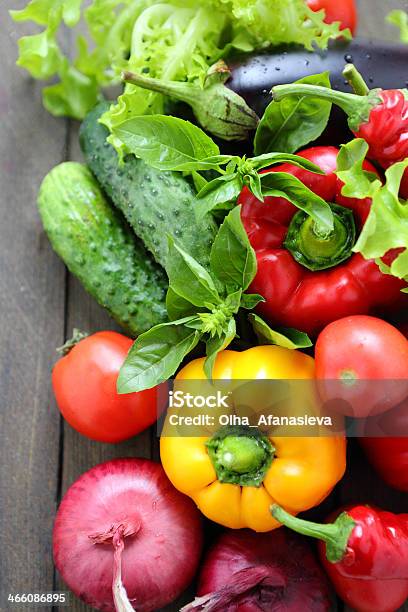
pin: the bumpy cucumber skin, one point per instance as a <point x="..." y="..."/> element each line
<point x="156" y="204"/>
<point x="100" y="249"/>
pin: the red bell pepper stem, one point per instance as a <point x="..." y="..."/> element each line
<point x="355" y="79"/>
<point x="317" y="249"/>
<point x="356" y="107"/>
<point x="336" y="535"/>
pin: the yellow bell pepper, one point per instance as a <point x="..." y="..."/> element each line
<point x="296" y="473"/>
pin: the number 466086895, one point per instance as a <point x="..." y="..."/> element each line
<point x="51" y="597"/>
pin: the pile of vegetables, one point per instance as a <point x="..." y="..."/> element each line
<point x="230" y="245"/>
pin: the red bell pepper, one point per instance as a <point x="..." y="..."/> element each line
<point x="365" y="553"/>
<point x="307" y="280"/>
<point x="378" y="116"/>
<point x="344" y="11"/>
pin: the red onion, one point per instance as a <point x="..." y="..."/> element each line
<point x="269" y="572"/>
<point x="124" y="518"/>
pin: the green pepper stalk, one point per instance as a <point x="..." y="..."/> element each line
<point x="357" y="106"/>
<point x="240" y="455"/>
<point x="316" y="248"/>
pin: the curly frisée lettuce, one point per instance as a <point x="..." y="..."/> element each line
<point x="386" y="227"/>
<point x="173" y="39"/>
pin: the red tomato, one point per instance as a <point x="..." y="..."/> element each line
<point x="369" y="359"/>
<point x="84" y="383"/>
<point x="344" y="11"/>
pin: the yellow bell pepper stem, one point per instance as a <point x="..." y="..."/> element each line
<point x="240" y="455"/>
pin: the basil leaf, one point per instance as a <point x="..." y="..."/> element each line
<point x="269" y="159"/>
<point x="233" y="301"/>
<point x="177" y="306"/>
<point x="222" y="160"/>
<point x="249" y="301"/>
<point x="286" y="337"/>
<point x="156" y="355"/>
<point x="218" y="192"/>
<point x="255" y="187"/>
<point x="216" y="345"/>
<point x="167" y="143"/>
<point x="195" y="323"/>
<point x="282" y="184"/>
<point x="358" y="183"/>
<point x="199" y="181"/>
<point x="295" y="121"/>
<point x="221" y="182"/>
<point x="232" y="258"/>
<point x="189" y="279"/>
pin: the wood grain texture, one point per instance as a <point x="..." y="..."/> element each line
<point x="39" y="456"/>
<point x="32" y="282"/>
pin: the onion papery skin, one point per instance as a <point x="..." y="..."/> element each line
<point x="290" y="578"/>
<point x="162" y="528"/>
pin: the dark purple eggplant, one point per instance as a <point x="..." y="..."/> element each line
<point x="382" y="65"/>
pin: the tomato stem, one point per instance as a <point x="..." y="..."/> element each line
<point x="77" y="336"/>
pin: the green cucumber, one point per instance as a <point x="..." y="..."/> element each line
<point x="100" y="249"/>
<point x="156" y="204"/>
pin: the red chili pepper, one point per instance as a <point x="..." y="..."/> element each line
<point x="344" y="11"/>
<point x="365" y="553"/>
<point x="310" y="299"/>
<point x="378" y="116"/>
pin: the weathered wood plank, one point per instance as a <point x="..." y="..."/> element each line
<point x="32" y="282"/>
<point x="372" y="18"/>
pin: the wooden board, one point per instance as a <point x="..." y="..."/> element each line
<point x="32" y="303"/>
<point x="40" y="304"/>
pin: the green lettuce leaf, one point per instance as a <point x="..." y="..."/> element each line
<point x="386" y="227"/>
<point x="282" y="21"/>
<point x="169" y="39"/>
<point x="400" y="19"/>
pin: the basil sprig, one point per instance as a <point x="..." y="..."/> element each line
<point x="170" y="143"/>
<point x="202" y="306"/>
